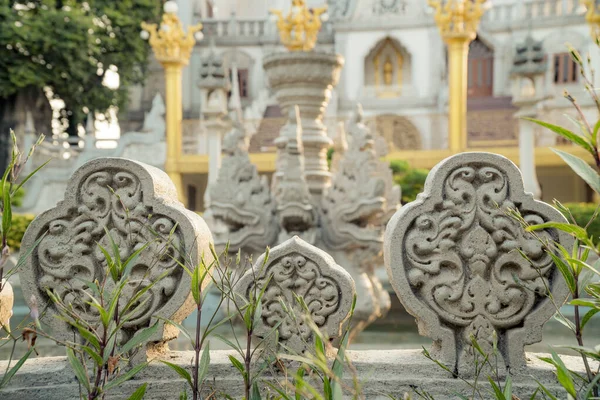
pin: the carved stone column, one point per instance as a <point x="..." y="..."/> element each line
<point x="306" y="79"/>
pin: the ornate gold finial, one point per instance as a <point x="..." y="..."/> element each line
<point x="299" y="29"/>
<point x="592" y="16"/>
<point x="171" y="44"/>
<point x="458" y="19"/>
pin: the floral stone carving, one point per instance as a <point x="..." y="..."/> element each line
<point x="296" y="268"/>
<point x="133" y="202"/>
<point x="453" y="259"/>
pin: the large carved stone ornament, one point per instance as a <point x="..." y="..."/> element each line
<point x="132" y="202"/>
<point x="296" y="268"/>
<point x="453" y="259"/>
<point x="242" y="209"/>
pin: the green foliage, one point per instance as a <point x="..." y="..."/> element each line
<point x="19" y="226"/>
<point x="579" y="271"/>
<point x="411" y="180"/>
<point x="12" y="229"/>
<point x="68" y="46"/>
<point x="582" y="214"/>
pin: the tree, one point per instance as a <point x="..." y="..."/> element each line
<point x="66" y="47"/>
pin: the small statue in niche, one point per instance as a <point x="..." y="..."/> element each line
<point x="388" y="71"/>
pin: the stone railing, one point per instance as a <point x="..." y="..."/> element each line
<point x="537" y="12"/>
<point x="255" y="31"/>
<point x="452" y="257"/>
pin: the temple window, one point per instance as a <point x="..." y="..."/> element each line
<point x="565" y="69"/>
<point x="481" y="70"/>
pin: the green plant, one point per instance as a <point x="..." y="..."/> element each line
<point x="10" y="229"/>
<point x="580" y="272"/>
<point x="582" y="214"/>
<point x="411" y="180"/>
<point x="18" y="228"/>
<point x="483" y="363"/>
<point x="97" y="360"/>
<point x="315" y="378"/>
<point x="200" y="274"/>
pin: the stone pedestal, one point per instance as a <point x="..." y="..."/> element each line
<point x="306" y="79"/>
<point x="215" y="130"/>
<point x="527" y="152"/>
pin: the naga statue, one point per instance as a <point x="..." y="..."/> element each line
<point x="347" y="221"/>
<point x="242" y="211"/>
<point x="354" y="211"/>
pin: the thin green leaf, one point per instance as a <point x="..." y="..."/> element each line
<point x="180" y="371"/>
<point x="508" y="388"/>
<point x="571" y="229"/>
<point x="89" y="336"/>
<point x="565" y="271"/>
<point x="588" y="315"/>
<point x="563" y="375"/>
<point x="497" y="392"/>
<point x="78" y="369"/>
<point x="95" y="356"/>
<point x="28" y="177"/>
<point x="131" y="260"/>
<point x="255" y="393"/>
<point x="581" y="168"/>
<point x="180" y="327"/>
<point x="236" y="363"/>
<point x="6" y="212"/>
<point x="196" y="284"/>
<point x="204" y="363"/>
<point x="139" y="338"/>
<point x="139" y="393"/>
<point x="567" y="134"/>
<point x="125" y="377"/>
<point x="15" y="368"/>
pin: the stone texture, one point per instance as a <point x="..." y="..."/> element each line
<point x="452" y="256"/>
<point x="381" y="373"/>
<point x="242" y="210"/>
<point x="129" y="200"/>
<point x="306" y="79"/>
<point x="296" y="268"/>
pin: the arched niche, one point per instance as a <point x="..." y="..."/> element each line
<point x="398" y="132"/>
<point x="387" y="69"/>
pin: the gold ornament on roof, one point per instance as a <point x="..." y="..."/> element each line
<point x="299" y="29"/>
<point x="458" y="19"/>
<point x="592" y="16"/>
<point x="171" y="44"/>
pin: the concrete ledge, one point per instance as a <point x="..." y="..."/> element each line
<point x="380" y="372"/>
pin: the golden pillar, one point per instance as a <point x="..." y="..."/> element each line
<point x="592" y="16"/>
<point x="172" y="47"/>
<point x="458" y="21"/>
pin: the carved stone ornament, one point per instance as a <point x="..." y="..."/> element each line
<point x="298" y="268"/>
<point x="452" y="257"/>
<point x="133" y="202"/>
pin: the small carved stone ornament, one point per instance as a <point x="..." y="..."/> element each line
<point x="296" y="268"/>
<point x="453" y="259"/>
<point x="133" y="202"/>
